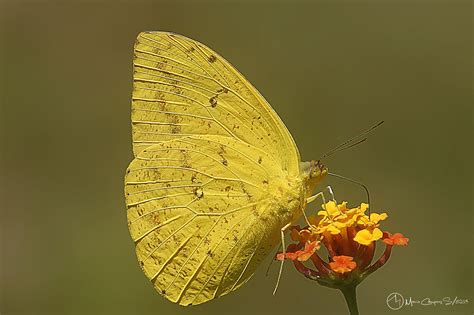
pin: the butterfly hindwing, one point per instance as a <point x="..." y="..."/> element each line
<point x="200" y="215"/>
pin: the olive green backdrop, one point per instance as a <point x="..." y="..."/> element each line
<point x="329" y="68"/>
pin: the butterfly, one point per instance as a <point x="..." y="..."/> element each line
<point x="216" y="177"/>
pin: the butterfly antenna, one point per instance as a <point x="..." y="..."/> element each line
<point x="350" y="142"/>
<point x="354" y="182"/>
<point x="326" y="156"/>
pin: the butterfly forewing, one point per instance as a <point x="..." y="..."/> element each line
<point x="182" y="87"/>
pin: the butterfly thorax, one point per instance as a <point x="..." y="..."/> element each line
<point x="286" y="197"/>
<point x="288" y="193"/>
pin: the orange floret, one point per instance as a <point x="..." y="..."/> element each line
<point x="301" y="255"/>
<point x="395" y="239"/>
<point x="342" y="264"/>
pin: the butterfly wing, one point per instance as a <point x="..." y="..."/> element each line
<point x="181" y="87"/>
<point x="200" y="214"/>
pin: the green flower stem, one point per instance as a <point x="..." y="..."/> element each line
<point x="351" y="298"/>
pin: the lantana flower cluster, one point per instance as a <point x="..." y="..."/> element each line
<point x="349" y="236"/>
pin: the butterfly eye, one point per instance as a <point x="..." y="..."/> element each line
<point x="314" y="168"/>
<point x="317" y="170"/>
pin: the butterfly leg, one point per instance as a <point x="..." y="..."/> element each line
<point x="271" y="261"/>
<point x="283" y="229"/>
<point x="314" y="197"/>
<point x="329" y="188"/>
<point x="321" y="194"/>
<point x="311" y="199"/>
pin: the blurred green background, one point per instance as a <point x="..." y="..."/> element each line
<point x="329" y="68"/>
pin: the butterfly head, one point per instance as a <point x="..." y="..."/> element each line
<point x="317" y="170"/>
<point x="313" y="172"/>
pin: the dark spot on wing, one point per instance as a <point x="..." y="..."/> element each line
<point x="259" y="160"/>
<point x="221" y="153"/>
<point x="254" y="210"/>
<point x="221" y="149"/>
<point x="175" y="129"/>
<point x="249" y="196"/>
<point x="156" y="219"/>
<point x="198" y="192"/>
<point x="212" y="58"/>
<point x="213" y="101"/>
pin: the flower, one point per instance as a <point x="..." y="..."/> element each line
<point x="301" y="255"/>
<point x="371" y="232"/>
<point x="303" y="235"/>
<point x="395" y="239"/>
<point x="336" y="217"/>
<point x="367" y="236"/>
<point x="349" y="236"/>
<point x="342" y="264"/>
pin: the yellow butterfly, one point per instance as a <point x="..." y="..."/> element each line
<point x="216" y="178"/>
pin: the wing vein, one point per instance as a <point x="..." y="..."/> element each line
<point x="157" y="227"/>
<point x="191" y="255"/>
<point x="156" y="210"/>
<point x="215" y="269"/>
<point x="167" y="238"/>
